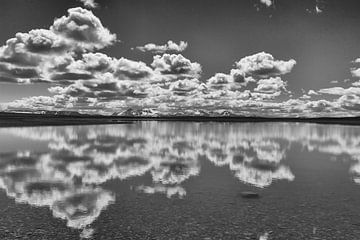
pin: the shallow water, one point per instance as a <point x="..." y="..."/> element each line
<point x="176" y="180"/>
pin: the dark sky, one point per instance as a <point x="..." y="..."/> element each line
<point x="219" y="32"/>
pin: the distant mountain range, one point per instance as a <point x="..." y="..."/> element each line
<point x="50" y="118"/>
<point x="131" y="112"/>
<point x="137" y="113"/>
<point x="49" y="113"/>
<point x="190" y="115"/>
<point x="154" y="113"/>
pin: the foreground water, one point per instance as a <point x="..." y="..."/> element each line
<point x="174" y="180"/>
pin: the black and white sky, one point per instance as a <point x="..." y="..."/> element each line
<point x="249" y="57"/>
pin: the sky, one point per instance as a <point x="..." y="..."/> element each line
<point x="247" y="57"/>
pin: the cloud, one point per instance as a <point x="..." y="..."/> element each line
<point x="18" y="50"/>
<point x="80" y="78"/>
<point x="261" y="68"/>
<point x="350" y="102"/>
<point x="36" y="56"/>
<point x="312" y="92"/>
<point x="220" y="80"/>
<point x="264" y="65"/>
<point x="101" y="83"/>
<point x="320" y="106"/>
<point x="271" y="85"/>
<point x="41" y="103"/>
<point x="319" y="6"/>
<point x="97" y="66"/>
<point x="18" y="73"/>
<point x="355" y="72"/>
<point x="186" y="86"/>
<point x="235" y="80"/>
<point x="268" y="3"/>
<point x="89" y="3"/>
<point x="234" y="89"/>
<point x="131" y="70"/>
<point x="82" y="28"/>
<point x="318" y="9"/>
<point x="341" y="91"/>
<point x="176" y="64"/>
<point x="170" y="46"/>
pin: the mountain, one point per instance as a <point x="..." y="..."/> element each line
<point x="137" y="113"/>
<point x="62" y="113"/>
<point x="200" y="113"/>
<point x="49" y="113"/>
<point x="227" y="114"/>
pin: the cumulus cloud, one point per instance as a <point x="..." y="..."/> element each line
<point x="355" y="72"/>
<point x="341" y="91"/>
<point x="20" y="74"/>
<point x="312" y="92"/>
<point x="350" y="102"/>
<point x="170" y="46"/>
<point x="186" y="86"/>
<point x="319" y="7"/>
<point x="271" y="85"/>
<point x="235" y="80"/>
<point x="97" y="66"/>
<point x="30" y="57"/>
<point x="268" y="3"/>
<point x="89" y="3"/>
<point x="40" y="102"/>
<point x="320" y="106"/>
<point x="264" y="65"/>
<point x="80" y="78"/>
<point x="81" y="27"/>
<point x="260" y="69"/>
<point x="170" y="64"/>
<point x="85" y="80"/>
<point x="220" y="78"/>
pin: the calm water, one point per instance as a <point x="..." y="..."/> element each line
<point x="159" y="180"/>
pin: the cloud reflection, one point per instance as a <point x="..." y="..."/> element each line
<point x="68" y="175"/>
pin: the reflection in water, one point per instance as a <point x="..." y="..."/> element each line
<point x="170" y="191"/>
<point x="265" y="236"/>
<point x="67" y="177"/>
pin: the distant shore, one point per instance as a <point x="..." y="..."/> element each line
<point x="28" y="119"/>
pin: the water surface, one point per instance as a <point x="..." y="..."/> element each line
<point x="176" y="180"/>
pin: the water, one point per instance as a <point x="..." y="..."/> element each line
<point x="174" y="180"/>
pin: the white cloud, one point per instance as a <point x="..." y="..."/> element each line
<point x="268" y="3"/>
<point x="170" y="46"/>
<point x="176" y="64"/>
<point x="318" y="10"/>
<point x="350" y="102"/>
<point x="82" y="28"/>
<point x="264" y="65"/>
<point x="82" y="79"/>
<point x="320" y="106"/>
<point x="355" y="72"/>
<point x="312" y="92"/>
<point x="271" y="85"/>
<point x="89" y="3"/>
<point x="341" y="91"/>
<point x="34" y="56"/>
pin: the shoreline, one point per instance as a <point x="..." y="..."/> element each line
<point x="27" y="120"/>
